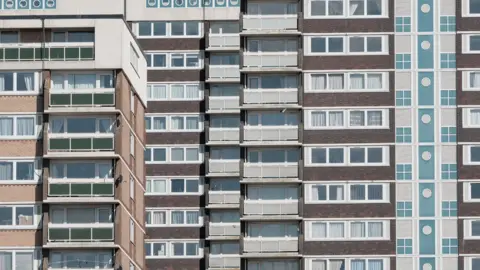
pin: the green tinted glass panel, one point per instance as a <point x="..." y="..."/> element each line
<point x="81" y="144"/>
<point x="86" y="53"/>
<point x="81" y="189"/>
<point x="103" y="189"/>
<point x="2" y="53"/>
<point x="11" y="54"/>
<point x="82" y="99"/>
<point x="103" y="143"/>
<point x="38" y="53"/>
<point x="58" y="234"/>
<point x="103" y="99"/>
<point x="46" y="53"/>
<point x="59" y="189"/>
<point x="57" y="54"/>
<point x="102" y="234"/>
<point x="26" y="54"/>
<point x="72" y="53"/>
<point x="80" y="234"/>
<point x="59" y="144"/>
<point x="59" y="99"/>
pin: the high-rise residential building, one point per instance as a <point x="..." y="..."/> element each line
<point x="72" y="136"/>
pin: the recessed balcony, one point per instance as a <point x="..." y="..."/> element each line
<point x="80" y="190"/>
<point x="80" y="233"/>
<point x="223" y="42"/>
<point x="270" y="134"/>
<point x="88" y="98"/>
<point x="223" y="230"/>
<point x="270" y="245"/>
<point x="265" y="97"/>
<point x="270" y="24"/>
<point x="82" y="51"/>
<point x="223" y="261"/>
<point x="270" y="207"/>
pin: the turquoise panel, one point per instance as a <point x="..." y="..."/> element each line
<point x="233" y="3"/>
<point x="152" y="3"/>
<point x="165" y="3"/>
<point x="9" y="4"/>
<point x="37" y="4"/>
<point x="427" y="237"/>
<point x="425" y="262"/>
<point x="220" y="3"/>
<point x="426" y="83"/>
<point x="426" y="131"/>
<point x="193" y="3"/>
<point x="425" y="15"/>
<point x="207" y="3"/>
<point x="426" y="167"/>
<point x="425" y="53"/>
<point x="23" y="4"/>
<point x="426" y="199"/>
<point x="179" y="3"/>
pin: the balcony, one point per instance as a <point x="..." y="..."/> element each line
<point x="224" y="261"/>
<point x="223" y="73"/>
<point x="274" y="61"/>
<point x="81" y="144"/>
<point x="222" y="104"/>
<point x="47" y="52"/>
<point x="80" y="190"/>
<point x="270" y="170"/>
<point x="265" y="24"/>
<point x="223" y="42"/>
<point x="83" y="98"/>
<point x="270" y="96"/>
<point x="270" y="208"/>
<point x="270" y="245"/>
<point x="224" y="230"/>
<point x="224" y="167"/>
<point x="223" y="135"/>
<point x="223" y="198"/>
<point x="80" y="233"/>
<point x="277" y="134"/>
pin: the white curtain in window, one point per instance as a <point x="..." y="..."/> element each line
<point x="375" y="229"/>
<point x="356" y="7"/>
<point x="57" y="125"/>
<point x="2" y="83"/>
<point x="6" y="171"/>
<point x="319" y="230"/>
<point x="82" y="81"/>
<point x="24" y="261"/>
<point x="335" y="119"/>
<point x="28" y="79"/>
<point x="105" y="125"/>
<point x="177" y="217"/>
<point x="335" y="192"/>
<point x="376" y="265"/>
<point x="6" y="262"/>
<point x="335" y="81"/>
<point x="358" y="265"/>
<point x="6" y="126"/>
<point x="357" y="229"/>
<point x="158" y="217"/>
<point x="336" y="230"/>
<point x="319" y="82"/>
<point x="159" y="123"/>
<point x="319" y="119"/>
<point x="319" y="265"/>
<point x="374" y="81"/>
<point x="177" y="123"/>
<point x="25" y="126"/>
<point x="357" y="81"/>
<point x="475" y="80"/>
<point x="357" y="118"/>
<point x="337" y="265"/>
<point x="159" y="186"/>
<point x="374" y="118"/>
<point x="157" y="91"/>
<point x="104" y="260"/>
<point x="475" y="117"/>
<point x="192" y="217"/>
<point x="58" y="82"/>
<point x="192" y="123"/>
<point x="178" y="91"/>
<point x="192" y="91"/>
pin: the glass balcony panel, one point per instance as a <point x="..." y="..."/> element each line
<point x="81" y="189"/>
<point x="57" y="53"/>
<point x="104" y="234"/>
<point x="59" y="144"/>
<point x="27" y="54"/>
<point x="60" y="99"/>
<point x="103" y="189"/>
<point x="81" y="144"/>
<point x="86" y="53"/>
<point x="104" y="99"/>
<point x="82" y="99"/>
<point x="59" y="189"/>
<point x="11" y="54"/>
<point x="72" y="53"/>
<point x="80" y="234"/>
<point x="103" y="144"/>
<point x="59" y="234"/>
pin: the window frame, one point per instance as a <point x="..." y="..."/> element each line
<point x="467" y="155"/>
<point x="37" y="174"/>
<point x="308" y="12"/>
<point x="168" y="151"/>
<point x="36" y="222"/>
<point x="35" y="251"/>
<point x="168" y="123"/>
<point x="37" y="89"/>
<point x="169" y="248"/>
<point x="261" y="163"/>
<point x="168" y="30"/>
<point x="346" y="119"/>
<point x="346" y="82"/>
<point x="168" y="217"/>
<point x="168" y="90"/>
<point x="37" y="120"/>
<point x="97" y="170"/>
<point x="466" y="42"/>
<point x="347" y="261"/>
<point x="466" y="78"/>
<point x="347" y="225"/>
<point x="346" y="156"/>
<point x="260" y="45"/>
<point x="168" y="186"/>
<point x="467" y="118"/>
<point x="467" y="229"/>
<point x="96" y="224"/>
<point x="309" y="189"/>
<point x="467" y="192"/>
<point x="168" y="60"/>
<point x="65" y="75"/>
<point x="346" y="45"/>
<point x="97" y="133"/>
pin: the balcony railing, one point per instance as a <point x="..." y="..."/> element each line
<point x="87" y="98"/>
<point x="223" y="261"/>
<point x="224" y="72"/>
<point x="223" y="40"/>
<point x="80" y="234"/>
<point x="270" y="96"/>
<point x="224" y="229"/>
<point x="223" y="134"/>
<point x="47" y="52"/>
<point x="80" y="189"/>
<point x="273" y="245"/>
<point x="270" y="59"/>
<point x="266" y="170"/>
<point x="223" y="197"/>
<point x="256" y="207"/>
<point x="270" y="22"/>
<point x="280" y="133"/>
<point x="80" y="144"/>
<point x="224" y="166"/>
<point x="224" y="103"/>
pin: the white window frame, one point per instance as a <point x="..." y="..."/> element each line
<point x="346" y="45"/>
<point x="346" y="156"/>
<point x="211" y="33"/>
<point x="260" y="41"/>
<point x="168" y="217"/>
<point x="169" y="125"/>
<point x="467" y="118"/>
<point x="308" y="12"/>
<point x="169" y="248"/>
<point x="132" y="188"/>
<point x="97" y="171"/>
<point x="37" y="217"/>
<point x="37" y="78"/>
<point x="466" y="78"/>
<point x="259" y="114"/>
<point x="467" y="228"/>
<point x="346" y="119"/>
<point x="65" y="76"/>
<point x="168" y="30"/>
<point x="96" y="224"/>
<point x="347" y="235"/>
<point x="467" y="155"/>
<point x="308" y="191"/>
<point x="168" y="60"/>
<point x="346" y="82"/>
<point x="37" y="120"/>
<point x="37" y="173"/>
<point x="134" y="57"/>
<point x="132" y="231"/>
<point x="385" y="261"/>
<point x="468" y="260"/>
<point x="96" y="134"/>
<point x="168" y="90"/>
<point x="260" y="152"/>
<point x="168" y="186"/>
<point x="466" y="44"/>
<point x="168" y="150"/>
<point x="467" y="189"/>
<point x="36" y="252"/>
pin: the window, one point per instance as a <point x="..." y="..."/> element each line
<point x="404" y="172"/>
<point x="474" y="262"/>
<point x="472" y="80"/>
<point x="9" y="37"/>
<point x="347" y="8"/>
<point x="81" y="169"/>
<point x="173" y="249"/>
<point x="225" y="90"/>
<point x="472" y="43"/>
<point x="132" y="100"/>
<point x="20" y="216"/>
<point x="219" y="28"/>
<point x="132" y="231"/>
<point x="217" y="217"/>
<point x="348" y="230"/>
<point x="449" y="171"/>
<point x="173" y="123"/>
<point x="266" y="119"/>
<point x="85" y="125"/>
<point x="403" y="24"/>
<point x="174" y="91"/>
<point x="20" y="126"/>
<point x="132" y="144"/>
<point x="174" y="154"/>
<point x="405" y="246"/>
<point x="271" y="45"/>
<point x="19" y="83"/>
<point x="266" y="8"/>
<point x="177" y="60"/>
<point x="173" y="218"/>
<point x="472" y="228"/>
<point x="226" y="248"/>
<point x="448" y="97"/>
<point x="347" y="119"/>
<point x="447" y="24"/>
<point x="174" y="186"/>
<point x="403" y="135"/>
<point x="403" y="98"/>
<point x="263" y="264"/>
<point x="132" y="266"/>
<point x="175" y="29"/>
<point x="404" y="209"/>
<point x="349" y="264"/>
<point x="271" y="230"/>
<point x="472" y="191"/>
<point x="449" y="246"/>
<point x="273" y="156"/>
<point x="449" y="209"/>
<point x="347" y="193"/>
<point x="20" y="259"/>
<point x="224" y="59"/>
<point x="73" y="36"/>
<point x="354" y="81"/>
<point x="134" y="58"/>
<point x="348" y="156"/>
<point x="225" y="185"/>
<point x="271" y="193"/>
<point x="20" y="171"/>
<point x="132" y="188"/>
<point x="272" y="82"/>
<point x="403" y="61"/>
<point x="449" y="134"/>
<point x="224" y="122"/>
<point x="448" y="60"/>
<point x="225" y="154"/>
<point x="348" y="45"/>
<point x="471" y="154"/>
<point x="81" y="80"/>
<point x="81" y="215"/>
